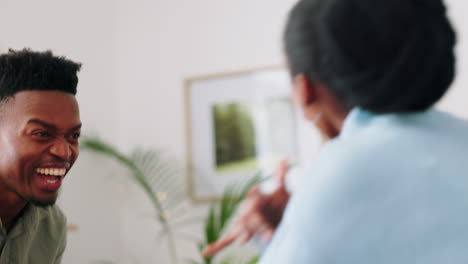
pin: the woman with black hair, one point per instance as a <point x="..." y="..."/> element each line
<point x="391" y="186"/>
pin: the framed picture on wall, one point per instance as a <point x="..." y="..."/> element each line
<point x="238" y="125"/>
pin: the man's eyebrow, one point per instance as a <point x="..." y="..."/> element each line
<point x="78" y="127"/>
<point x="50" y="126"/>
<point x="42" y="123"/>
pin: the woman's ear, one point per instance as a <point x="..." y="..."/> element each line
<point x="303" y="91"/>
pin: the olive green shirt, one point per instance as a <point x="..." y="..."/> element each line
<point x="38" y="237"/>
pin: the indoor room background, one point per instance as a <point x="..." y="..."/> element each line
<point x="136" y="56"/>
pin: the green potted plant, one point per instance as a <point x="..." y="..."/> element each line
<point x="219" y="215"/>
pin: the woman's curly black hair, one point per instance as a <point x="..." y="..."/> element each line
<point x="385" y="56"/>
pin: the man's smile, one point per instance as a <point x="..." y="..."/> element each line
<point x="51" y="177"/>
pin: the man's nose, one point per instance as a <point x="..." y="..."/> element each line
<point x="61" y="149"/>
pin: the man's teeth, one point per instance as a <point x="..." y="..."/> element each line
<point x="52" y="181"/>
<point x="51" y="171"/>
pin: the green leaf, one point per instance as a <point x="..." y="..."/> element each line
<point x="143" y="167"/>
<point x="211" y="230"/>
<point x="221" y="212"/>
<point x="254" y="260"/>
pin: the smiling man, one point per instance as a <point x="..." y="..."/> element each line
<point x="39" y="130"/>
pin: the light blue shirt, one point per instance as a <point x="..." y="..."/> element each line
<point x="390" y="189"/>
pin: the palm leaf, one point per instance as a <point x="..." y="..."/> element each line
<point x="145" y="168"/>
<point x="220" y="213"/>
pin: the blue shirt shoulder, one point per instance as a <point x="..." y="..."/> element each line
<point x="389" y="189"/>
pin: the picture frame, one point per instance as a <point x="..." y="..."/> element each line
<point x="239" y="124"/>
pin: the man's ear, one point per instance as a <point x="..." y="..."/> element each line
<point x="304" y="92"/>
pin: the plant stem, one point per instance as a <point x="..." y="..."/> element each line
<point x="159" y="208"/>
<point x="140" y="178"/>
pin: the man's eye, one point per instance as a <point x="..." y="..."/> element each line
<point x="75" y="135"/>
<point x="42" y="134"/>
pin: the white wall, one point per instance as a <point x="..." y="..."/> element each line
<point x="456" y="99"/>
<point x="161" y="43"/>
<point x="135" y="57"/>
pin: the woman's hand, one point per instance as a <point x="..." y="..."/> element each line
<point x="260" y="214"/>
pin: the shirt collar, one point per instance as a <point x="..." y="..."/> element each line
<point x="28" y="220"/>
<point x="358" y="119"/>
<point x="355" y="121"/>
